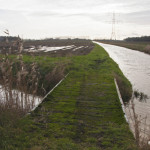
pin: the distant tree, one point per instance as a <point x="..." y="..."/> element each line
<point x="138" y="39"/>
<point x="10" y="38"/>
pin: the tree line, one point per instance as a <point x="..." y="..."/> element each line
<point x="10" y="38"/>
<point x="138" y="39"/>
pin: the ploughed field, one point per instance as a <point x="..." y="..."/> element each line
<point x="51" y="47"/>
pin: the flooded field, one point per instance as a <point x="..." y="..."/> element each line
<point x="58" y="50"/>
<point x="50" y="47"/>
<point x="135" y="66"/>
<point x="24" y="100"/>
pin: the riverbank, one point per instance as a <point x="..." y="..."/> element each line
<point x="83" y="112"/>
<point x="139" y="46"/>
<point x="135" y="66"/>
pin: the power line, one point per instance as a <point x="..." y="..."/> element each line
<point x="113" y="33"/>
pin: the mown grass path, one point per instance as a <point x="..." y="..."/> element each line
<point x="82" y="113"/>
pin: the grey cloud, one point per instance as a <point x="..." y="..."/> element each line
<point x="12" y="16"/>
<point x="7" y="11"/>
<point x="132" y="11"/>
<point x="141" y="17"/>
<point x="93" y="16"/>
<point x="44" y="13"/>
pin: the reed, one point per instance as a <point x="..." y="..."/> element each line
<point x="17" y="79"/>
<point x="147" y="49"/>
<point x="139" y="126"/>
<point x="21" y="82"/>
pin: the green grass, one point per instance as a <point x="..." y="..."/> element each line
<point x="83" y="113"/>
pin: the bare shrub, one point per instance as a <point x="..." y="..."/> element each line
<point x="18" y="81"/>
<point x="57" y="73"/>
<point x="147" y="49"/>
<point x="138" y="126"/>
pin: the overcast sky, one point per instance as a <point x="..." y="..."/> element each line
<point x="54" y="18"/>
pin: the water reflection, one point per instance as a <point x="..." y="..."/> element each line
<point x="16" y="98"/>
<point x="140" y="96"/>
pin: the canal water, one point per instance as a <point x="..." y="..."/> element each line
<point x="136" y="67"/>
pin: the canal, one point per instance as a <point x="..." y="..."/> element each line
<point x="136" y="67"/>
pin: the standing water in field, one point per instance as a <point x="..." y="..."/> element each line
<point x="136" y="67"/>
<point x="16" y="97"/>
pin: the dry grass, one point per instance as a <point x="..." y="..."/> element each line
<point x="20" y="81"/>
<point x="136" y="122"/>
<point x="15" y="74"/>
<point x="147" y="49"/>
<point x="142" y="140"/>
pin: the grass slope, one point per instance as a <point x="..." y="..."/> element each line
<point x="83" y="113"/>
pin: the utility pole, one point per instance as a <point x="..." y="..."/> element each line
<point x="113" y="33"/>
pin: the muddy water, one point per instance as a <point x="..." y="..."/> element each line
<point x="20" y="98"/>
<point x="136" y="67"/>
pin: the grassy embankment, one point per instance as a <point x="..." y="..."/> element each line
<point x="50" y="70"/>
<point x="139" y="46"/>
<point x="84" y="112"/>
